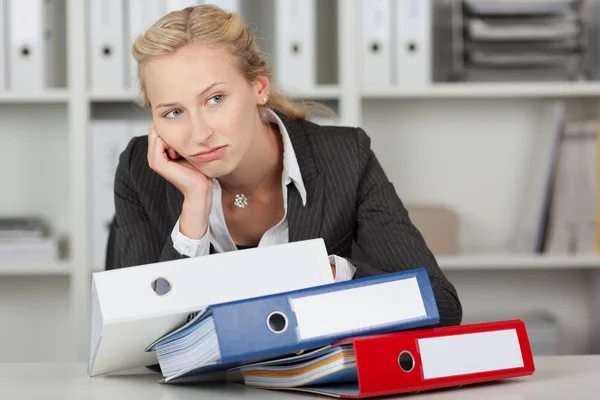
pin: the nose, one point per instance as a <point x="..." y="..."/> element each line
<point x="201" y="130"/>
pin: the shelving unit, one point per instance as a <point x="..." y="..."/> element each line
<point x="489" y="90"/>
<point x="416" y="132"/>
<point x="509" y="262"/>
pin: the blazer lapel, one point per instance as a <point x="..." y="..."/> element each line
<point x="304" y="221"/>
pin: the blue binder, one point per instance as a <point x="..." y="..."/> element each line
<point x="228" y="335"/>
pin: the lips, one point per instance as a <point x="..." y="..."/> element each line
<point x="211" y="154"/>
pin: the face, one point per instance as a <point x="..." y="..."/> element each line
<point x="203" y="107"/>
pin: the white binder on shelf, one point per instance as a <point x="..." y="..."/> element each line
<point x="3" y="52"/>
<point x="33" y="44"/>
<point x="376" y="51"/>
<point x="586" y="199"/>
<point x="107" y="44"/>
<point x="174" y="5"/>
<point x="227" y="5"/>
<point x="108" y="140"/>
<point x="141" y="15"/>
<point x="295" y="44"/>
<point x="129" y="311"/>
<point x="414" y="42"/>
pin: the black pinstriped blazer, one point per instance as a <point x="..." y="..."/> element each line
<point x="350" y="204"/>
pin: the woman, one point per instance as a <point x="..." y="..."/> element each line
<point x="230" y="163"/>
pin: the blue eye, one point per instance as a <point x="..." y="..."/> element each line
<point x="173" y="113"/>
<point x="216" y="99"/>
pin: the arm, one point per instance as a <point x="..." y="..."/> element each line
<point x="136" y="238"/>
<point x="388" y="238"/>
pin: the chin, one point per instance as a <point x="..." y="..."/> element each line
<point x="215" y="169"/>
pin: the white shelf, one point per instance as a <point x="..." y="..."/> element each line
<point x="500" y="262"/>
<point x="36" y="268"/>
<point x="46" y="96"/>
<point x="323" y="92"/>
<point x="488" y="90"/>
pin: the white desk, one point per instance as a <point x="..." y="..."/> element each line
<point x="567" y="377"/>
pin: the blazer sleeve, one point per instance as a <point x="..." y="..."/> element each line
<point x="387" y="237"/>
<point x="136" y="237"/>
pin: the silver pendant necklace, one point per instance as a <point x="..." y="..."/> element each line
<point x="240" y="200"/>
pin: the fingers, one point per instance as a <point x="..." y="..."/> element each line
<point x="173" y="155"/>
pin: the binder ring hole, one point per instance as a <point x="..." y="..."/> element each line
<point x="296" y="48"/>
<point x="412" y="47"/>
<point x="161" y="286"/>
<point x="277" y="322"/>
<point x="406" y="361"/>
<point x="25" y="51"/>
<point x="106" y="50"/>
<point x="375" y="47"/>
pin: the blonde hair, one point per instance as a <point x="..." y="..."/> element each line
<point x="209" y="25"/>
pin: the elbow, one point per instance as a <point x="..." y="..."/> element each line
<point x="448" y="303"/>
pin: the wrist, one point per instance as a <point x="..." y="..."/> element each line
<point x="193" y="222"/>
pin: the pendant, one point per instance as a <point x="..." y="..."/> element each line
<point x="240" y="201"/>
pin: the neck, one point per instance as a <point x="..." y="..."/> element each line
<point x="265" y="157"/>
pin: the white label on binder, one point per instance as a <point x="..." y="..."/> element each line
<point x="470" y="353"/>
<point x="357" y="308"/>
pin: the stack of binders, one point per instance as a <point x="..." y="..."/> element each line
<point x="525" y="40"/>
<point x="361" y="338"/>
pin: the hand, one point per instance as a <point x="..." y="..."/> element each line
<point x="193" y="184"/>
<point x="164" y="160"/>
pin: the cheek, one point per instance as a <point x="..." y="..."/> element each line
<point x="174" y="134"/>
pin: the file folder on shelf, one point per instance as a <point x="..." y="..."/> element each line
<point x="128" y="314"/>
<point x="296" y="44"/>
<point x="37" y="44"/>
<point x="107" y="44"/>
<point x="414" y="44"/>
<point x="141" y="15"/>
<point x="232" y="334"/>
<point x="376" y="43"/>
<point x="403" y="362"/>
<point x="3" y="49"/>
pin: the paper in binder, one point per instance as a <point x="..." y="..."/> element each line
<point x="107" y="44"/>
<point x="376" y="50"/>
<point x="232" y="334"/>
<point x="129" y="309"/>
<point x="402" y="362"/>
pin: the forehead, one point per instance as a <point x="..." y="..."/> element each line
<point x="191" y="66"/>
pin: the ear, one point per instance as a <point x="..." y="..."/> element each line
<point x="262" y="87"/>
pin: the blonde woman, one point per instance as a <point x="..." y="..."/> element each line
<point x="230" y="163"/>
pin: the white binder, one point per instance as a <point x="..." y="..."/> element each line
<point x="414" y="42"/>
<point x="108" y="140"/>
<point x="226" y="5"/>
<point x="376" y="51"/>
<point x="128" y="313"/>
<point x="174" y="5"/>
<point x="295" y="44"/>
<point x="107" y="44"/>
<point x="33" y="44"/>
<point x="141" y="15"/>
<point x="3" y="53"/>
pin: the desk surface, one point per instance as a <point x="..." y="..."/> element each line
<point x="566" y="377"/>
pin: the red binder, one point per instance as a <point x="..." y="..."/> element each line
<point x="434" y="358"/>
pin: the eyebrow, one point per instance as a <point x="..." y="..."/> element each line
<point x="201" y="94"/>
